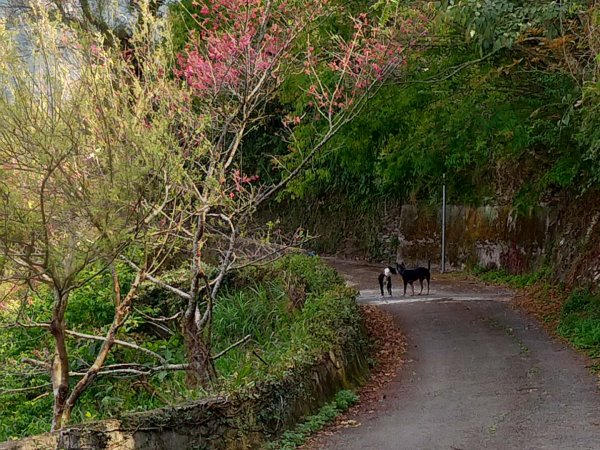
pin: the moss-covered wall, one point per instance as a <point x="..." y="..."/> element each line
<point x="564" y="236"/>
<point x="387" y="231"/>
<point x="574" y="247"/>
<point x="240" y="422"/>
<point x="492" y="237"/>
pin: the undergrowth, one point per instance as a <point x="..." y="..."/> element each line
<point x="298" y="436"/>
<point x="295" y="309"/>
<point x="513" y="280"/>
<point x="580" y="321"/>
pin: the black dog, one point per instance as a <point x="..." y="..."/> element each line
<point x="386" y="276"/>
<point x="411" y="275"/>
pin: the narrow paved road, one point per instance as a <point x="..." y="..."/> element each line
<point x="478" y="375"/>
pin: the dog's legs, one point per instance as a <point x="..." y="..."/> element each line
<point x="428" y="284"/>
<point x="421" y="281"/>
<point x="381" y="283"/>
<point x="405" y="283"/>
<point x="413" y="287"/>
<point x="389" y="286"/>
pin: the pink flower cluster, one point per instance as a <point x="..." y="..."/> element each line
<point x="240" y="179"/>
<point x="243" y="46"/>
<point x="356" y="64"/>
<point x="238" y="43"/>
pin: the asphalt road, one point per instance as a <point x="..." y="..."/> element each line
<point x="478" y="375"/>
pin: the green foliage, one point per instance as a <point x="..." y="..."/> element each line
<point x="298" y="436"/>
<point x="580" y="321"/>
<point x="90" y="311"/>
<point x="29" y="412"/>
<point x="317" y="277"/>
<point x="488" y="105"/>
<point x="284" y="334"/>
<point x="497" y="24"/>
<point x="490" y="131"/>
<point x="589" y="133"/>
<point x="255" y="301"/>
<point x="542" y="275"/>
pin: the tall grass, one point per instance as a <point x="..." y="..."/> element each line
<point x="283" y="333"/>
<point x="513" y="280"/>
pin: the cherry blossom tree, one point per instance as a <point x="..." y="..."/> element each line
<point x="136" y="159"/>
<point x="236" y="61"/>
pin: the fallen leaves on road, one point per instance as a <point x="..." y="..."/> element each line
<point x="389" y="344"/>
<point x="545" y="303"/>
<point x="542" y="302"/>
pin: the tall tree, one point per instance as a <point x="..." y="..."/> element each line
<point x="83" y="177"/>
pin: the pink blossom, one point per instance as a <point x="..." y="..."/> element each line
<point x="246" y="44"/>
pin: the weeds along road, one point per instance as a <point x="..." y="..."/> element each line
<point x="478" y="375"/>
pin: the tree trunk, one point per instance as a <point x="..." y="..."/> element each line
<point x="196" y="327"/>
<point x="202" y="369"/>
<point x="60" y="363"/>
<point x="121" y="312"/>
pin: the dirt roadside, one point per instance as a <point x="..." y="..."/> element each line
<point x="477" y="374"/>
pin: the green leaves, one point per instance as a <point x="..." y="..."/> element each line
<point x="580" y="321"/>
<point x="498" y="24"/>
<point x="256" y="302"/>
<point x="298" y="436"/>
<point x="499" y="128"/>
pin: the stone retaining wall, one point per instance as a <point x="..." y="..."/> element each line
<point x="565" y="237"/>
<point x="491" y="237"/>
<point x="240" y="422"/>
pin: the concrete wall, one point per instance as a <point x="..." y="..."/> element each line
<point x="492" y="237"/>
<point x="564" y="237"/>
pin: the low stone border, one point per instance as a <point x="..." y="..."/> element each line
<point x="238" y="422"/>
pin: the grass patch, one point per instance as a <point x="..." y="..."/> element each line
<point x="580" y="321"/>
<point x="502" y="277"/>
<point x="298" y="436"/>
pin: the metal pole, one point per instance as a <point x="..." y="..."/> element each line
<point x="443" y="265"/>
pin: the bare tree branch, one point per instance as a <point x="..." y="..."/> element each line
<point x="92" y="337"/>
<point x="159" y="282"/>
<point x="27" y="389"/>
<point x="231" y="347"/>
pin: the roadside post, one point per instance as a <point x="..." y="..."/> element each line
<point x="443" y="264"/>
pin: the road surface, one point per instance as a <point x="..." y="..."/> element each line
<point x="478" y="375"/>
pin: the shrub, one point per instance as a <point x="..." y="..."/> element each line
<point x="296" y="437"/>
<point x="580" y="321"/>
<point x="516" y="281"/>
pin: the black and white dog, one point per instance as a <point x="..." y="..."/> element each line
<point x="385" y="277"/>
<point x="412" y="275"/>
